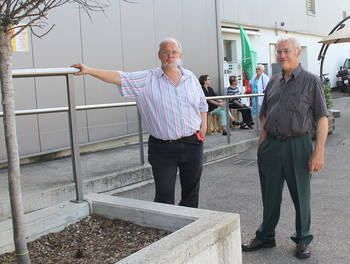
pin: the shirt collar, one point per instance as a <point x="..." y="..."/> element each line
<point x="184" y="72"/>
<point x="295" y="73"/>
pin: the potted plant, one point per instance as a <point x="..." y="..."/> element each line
<point x="329" y="102"/>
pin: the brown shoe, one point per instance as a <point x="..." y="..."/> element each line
<point x="302" y="251"/>
<point x="256" y="244"/>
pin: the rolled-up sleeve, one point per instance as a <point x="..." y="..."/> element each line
<point x="132" y="83"/>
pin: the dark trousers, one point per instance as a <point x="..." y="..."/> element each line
<point x="279" y="162"/>
<point x="166" y="158"/>
<point x="245" y="111"/>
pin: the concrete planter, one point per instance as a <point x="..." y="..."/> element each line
<point x="199" y="236"/>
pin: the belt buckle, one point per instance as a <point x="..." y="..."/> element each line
<point x="281" y="138"/>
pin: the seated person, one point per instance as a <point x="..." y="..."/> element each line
<point x="237" y="104"/>
<point x="215" y="106"/>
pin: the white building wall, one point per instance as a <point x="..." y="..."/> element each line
<point x="267" y="16"/>
<point x="270" y="14"/>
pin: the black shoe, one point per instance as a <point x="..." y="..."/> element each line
<point x="224" y="133"/>
<point x="302" y="251"/>
<point x="256" y="244"/>
<point x="237" y="123"/>
<point x="245" y="126"/>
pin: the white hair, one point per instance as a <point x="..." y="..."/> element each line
<point x="169" y="40"/>
<point x="296" y="43"/>
<point x="261" y="66"/>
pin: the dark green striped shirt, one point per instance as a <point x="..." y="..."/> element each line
<point x="294" y="106"/>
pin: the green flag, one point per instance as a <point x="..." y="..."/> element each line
<point x="249" y="57"/>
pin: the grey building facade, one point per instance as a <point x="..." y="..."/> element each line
<point x="126" y="37"/>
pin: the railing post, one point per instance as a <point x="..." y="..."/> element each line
<point x="139" y="126"/>
<point x="257" y="115"/>
<point x="228" y="126"/>
<point x="74" y="141"/>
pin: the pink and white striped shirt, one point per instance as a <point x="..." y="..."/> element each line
<point x="169" y="112"/>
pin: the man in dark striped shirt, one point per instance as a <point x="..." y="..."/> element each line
<point x="293" y="104"/>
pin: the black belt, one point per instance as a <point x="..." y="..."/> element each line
<point x="182" y="139"/>
<point x="281" y="138"/>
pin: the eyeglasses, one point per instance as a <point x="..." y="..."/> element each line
<point x="208" y="79"/>
<point x="285" y="51"/>
<point x="167" y="52"/>
<point x="258" y="69"/>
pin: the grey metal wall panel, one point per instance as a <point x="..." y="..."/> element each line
<point x="58" y="49"/>
<point x="54" y="131"/>
<point x="166" y="25"/>
<point x="107" y="123"/>
<point x="25" y="98"/>
<point x="101" y="46"/>
<point x="138" y="36"/>
<point x="27" y="126"/>
<point x="3" y="153"/>
<point x="27" y="134"/>
<point x="200" y="40"/>
<point x="61" y="45"/>
<point x="125" y="38"/>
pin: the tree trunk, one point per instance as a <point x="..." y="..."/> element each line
<point x="8" y="104"/>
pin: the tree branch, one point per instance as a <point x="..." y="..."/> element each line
<point x="17" y="10"/>
<point x="42" y="35"/>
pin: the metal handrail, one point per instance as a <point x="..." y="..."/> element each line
<point x="72" y="117"/>
<point x="22" y="73"/>
<point x="111" y="105"/>
<point x="66" y="109"/>
<point x="227" y="97"/>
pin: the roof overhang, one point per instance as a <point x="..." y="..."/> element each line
<point x="235" y="30"/>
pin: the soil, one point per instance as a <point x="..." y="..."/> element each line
<point x="94" y="239"/>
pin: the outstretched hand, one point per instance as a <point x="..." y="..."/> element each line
<point x="83" y="69"/>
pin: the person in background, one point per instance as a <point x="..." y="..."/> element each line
<point x="217" y="107"/>
<point x="258" y="83"/>
<point x="237" y="104"/>
<point x="293" y="104"/>
<point x="174" y="110"/>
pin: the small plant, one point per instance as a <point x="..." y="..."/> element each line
<point x="327" y="93"/>
<point x="327" y="90"/>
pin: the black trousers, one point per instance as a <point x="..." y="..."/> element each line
<point x="245" y="111"/>
<point x="166" y="158"/>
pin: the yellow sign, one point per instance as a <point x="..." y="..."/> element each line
<point x="20" y="43"/>
<point x="309" y="5"/>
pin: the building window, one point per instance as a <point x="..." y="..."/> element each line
<point x="230" y="50"/>
<point x="273" y="56"/>
<point x="311" y="10"/>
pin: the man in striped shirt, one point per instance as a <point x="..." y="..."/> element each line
<point x="294" y="102"/>
<point x="174" y="110"/>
